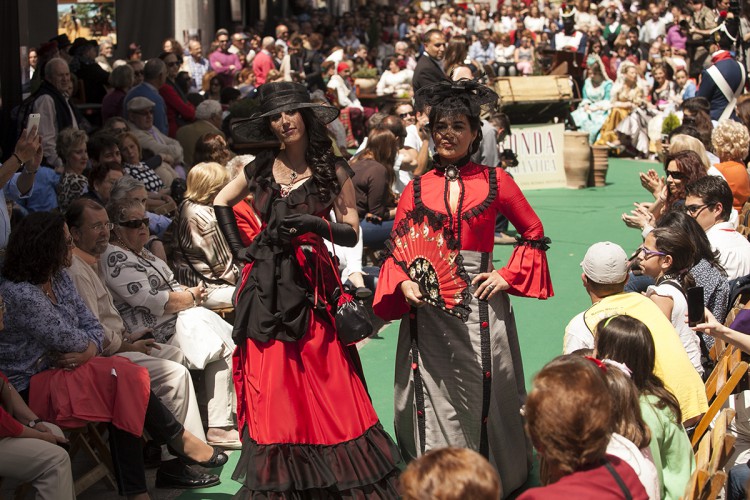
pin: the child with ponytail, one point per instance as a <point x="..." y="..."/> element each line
<point x="631" y="436"/>
<point x="627" y="340"/>
<point x="667" y="255"/>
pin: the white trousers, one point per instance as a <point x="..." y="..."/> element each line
<point x="172" y="384"/>
<point x="45" y="465"/>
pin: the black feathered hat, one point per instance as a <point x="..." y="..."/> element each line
<point x="462" y="96"/>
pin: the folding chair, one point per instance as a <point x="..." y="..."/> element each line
<point x="713" y="452"/>
<point x="724" y="378"/>
<point x="89" y="440"/>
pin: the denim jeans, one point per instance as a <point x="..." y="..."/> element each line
<point x="374" y="236"/>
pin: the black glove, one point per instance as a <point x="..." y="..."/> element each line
<point x="299" y="224"/>
<point x="228" y="226"/>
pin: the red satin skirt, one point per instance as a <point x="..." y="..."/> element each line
<point x="308" y="427"/>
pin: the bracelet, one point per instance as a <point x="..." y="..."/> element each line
<point x="195" y="302"/>
<point x="20" y="162"/>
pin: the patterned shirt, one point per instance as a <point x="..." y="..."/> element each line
<point x="37" y="331"/>
<point x="140" y="287"/>
<point x="145" y="174"/>
<point x="198" y="238"/>
<point x="715" y="292"/>
<point x="196" y="69"/>
<point x="70" y="188"/>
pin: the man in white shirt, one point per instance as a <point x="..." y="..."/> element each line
<point x="655" y="26"/>
<point x="709" y="202"/>
<point x="52" y="102"/>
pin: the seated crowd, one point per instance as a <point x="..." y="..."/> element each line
<point x="116" y="279"/>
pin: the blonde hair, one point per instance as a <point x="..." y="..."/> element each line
<point x="450" y="474"/>
<point x="683" y="142"/>
<point x="204" y="181"/>
<point x="730" y="140"/>
<point x="68" y="139"/>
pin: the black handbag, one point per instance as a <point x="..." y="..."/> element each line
<point x="353" y="323"/>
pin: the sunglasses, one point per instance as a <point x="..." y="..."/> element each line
<point x="404" y="115"/>
<point x="134" y="224"/>
<point x="675" y="174"/>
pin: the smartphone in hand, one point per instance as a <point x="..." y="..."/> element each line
<point x="696" y="312"/>
<point x="33" y="122"/>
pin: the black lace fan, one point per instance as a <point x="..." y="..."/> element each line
<point x="427" y="253"/>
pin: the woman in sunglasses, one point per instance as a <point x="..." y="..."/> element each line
<point x="179" y="110"/>
<point x="667" y="255"/>
<point x="147" y="295"/>
<point x="680" y="169"/>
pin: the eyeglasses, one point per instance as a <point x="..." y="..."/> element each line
<point x="101" y="225"/>
<point x="649" y="253"/>
<point x="134" y="224"/>
<point x="675" y="174"/>
<point x="404" y="115"/>
<point x="695" y="210"/>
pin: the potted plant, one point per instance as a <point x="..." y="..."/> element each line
<point x="366" y="79"/>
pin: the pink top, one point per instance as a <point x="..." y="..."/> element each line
<point x="9" y="426"/>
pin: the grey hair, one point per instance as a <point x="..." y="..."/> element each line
<point x="123" y="186"/>
<point x="122" y="77"/>
<point x="207" y="109"/>
<point x="153" y="68"/>
<point x="236" y="164"/>
<point x="50" y="69"/>
<point x="119" y="210"/>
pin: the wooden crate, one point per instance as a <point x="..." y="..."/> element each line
<point x="530" y="89"/>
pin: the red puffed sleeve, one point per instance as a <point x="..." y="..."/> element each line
<point x="527" y="271"/>
<point x="9" y="426"/>
<point x="389" y="302"/>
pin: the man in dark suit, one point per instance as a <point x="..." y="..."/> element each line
<point x="429" y="68"/>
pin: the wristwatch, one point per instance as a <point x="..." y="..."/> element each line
<point x="34" y="423"/>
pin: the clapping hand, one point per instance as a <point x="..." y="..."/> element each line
<point x="639" y="217"/>
<point x="651" y="181"/>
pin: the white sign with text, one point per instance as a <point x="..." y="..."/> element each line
<point x="540" y="155"/>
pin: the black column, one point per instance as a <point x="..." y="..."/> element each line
<point x="10" y="74"/>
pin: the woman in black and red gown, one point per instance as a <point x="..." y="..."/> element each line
<point x="307" y="425"/>
<point x="459" y="377"/>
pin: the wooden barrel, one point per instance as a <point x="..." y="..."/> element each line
<point x="577" y="159"/>
<point x="600" y="156"/>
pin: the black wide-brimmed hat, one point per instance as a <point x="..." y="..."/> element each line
<point x="275" y="98"/>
